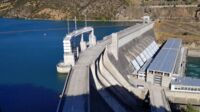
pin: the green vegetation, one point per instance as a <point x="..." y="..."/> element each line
<point x="190" y="108"/>
<point x="19" y="3"/>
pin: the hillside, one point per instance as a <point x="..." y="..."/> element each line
<point x="94" y="9"/>
<point x="187" y="31"/>
<point x="62" y="9"/>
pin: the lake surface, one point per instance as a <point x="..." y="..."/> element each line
<point x="193" y="67"/>
<point x="29" y="52"/>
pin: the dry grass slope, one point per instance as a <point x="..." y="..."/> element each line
<point x="188" y="31"/>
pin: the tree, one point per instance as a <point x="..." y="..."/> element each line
<point x="190" y="108"/>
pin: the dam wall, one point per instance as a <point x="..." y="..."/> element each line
<point x="118" y="76"/>
<point x="138" y="31"/>
<point x="111" y="88"/>
<point x="105" y="94"/>
<point x="111" y="84"/>
<point x="132" y="50"/>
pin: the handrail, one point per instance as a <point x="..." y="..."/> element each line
<point x="63" y="91"/>
<point x="88" y="69"/>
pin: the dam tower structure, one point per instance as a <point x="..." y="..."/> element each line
<point x="71" y="53"/>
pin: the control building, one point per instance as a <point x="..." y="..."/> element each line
<point x="164" y="66"/>
<point x="186" y="84"/>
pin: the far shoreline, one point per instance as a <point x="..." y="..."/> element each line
<point x="88" y="20"/>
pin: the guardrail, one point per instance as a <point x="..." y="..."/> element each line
<point x="62" y="96"/>
<point x="88" y="69"/>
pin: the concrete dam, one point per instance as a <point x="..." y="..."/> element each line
<point x="110" y="71"/>
<point x="117" y="68"/>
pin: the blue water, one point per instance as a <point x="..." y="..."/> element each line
<point x="193" y="67"/>
<point x="29" y="52"/>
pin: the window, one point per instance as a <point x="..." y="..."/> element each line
<point x="166" y="74"/>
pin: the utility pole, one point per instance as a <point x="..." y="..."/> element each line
<point x="85" y="20"/>
<point x="67" y="26"/>
<point x="75" y="23"/>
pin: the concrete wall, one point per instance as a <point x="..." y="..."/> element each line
<point x="150" y="78"/>
<point x="130" y="51"/>
<point x="109" y="99"/>
<point x="142" y="29"/>
<point x="104" y="81"/>
<point x="193" y="53"/>
<point x="183" y="97"/>
<point x="106" y="75"/>
<point x="122" y="93"/>
<point x="69" y="59"/>
<point x="118" y="76"/>
<point x="166" y="81"/>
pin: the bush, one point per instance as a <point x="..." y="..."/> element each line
<point x="190" y="108"/>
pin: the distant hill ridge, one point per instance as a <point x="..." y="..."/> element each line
<point x="94" y="9"/>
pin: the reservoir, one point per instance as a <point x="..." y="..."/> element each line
<point x="29" y="52"/>
<point x="193" y="67"/>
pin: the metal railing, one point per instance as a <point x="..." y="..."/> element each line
<point x="62" y="96"/>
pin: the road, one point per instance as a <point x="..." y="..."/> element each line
<point x="171" y="6"/>
<point x="158" y="99"/>
<point x="77" y="92"/>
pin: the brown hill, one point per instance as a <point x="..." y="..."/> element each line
<point x="94" y="9"/>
